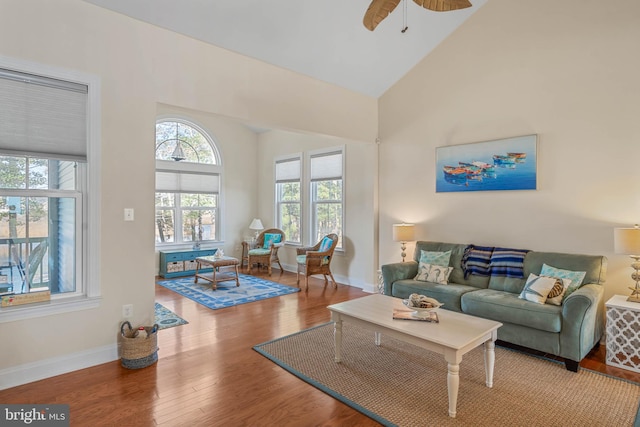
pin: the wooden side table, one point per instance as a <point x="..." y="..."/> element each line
<point x="216" y="263"/>
<point x="623" y="333"/>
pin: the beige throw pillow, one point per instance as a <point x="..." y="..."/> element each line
<point x="537" y="288"/>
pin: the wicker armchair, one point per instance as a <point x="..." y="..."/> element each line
<point x="317" y="260"/>
<point x="260" y="254"/>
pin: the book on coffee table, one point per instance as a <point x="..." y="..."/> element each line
<point x="429" y="316"/>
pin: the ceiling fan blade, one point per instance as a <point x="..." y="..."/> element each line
<point x="443" y="5"/>
<point x="377" y="11"/>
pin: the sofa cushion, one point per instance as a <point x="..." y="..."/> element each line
<point x="433" y="273"/>
<point x="449" y="294"/>
<point x="537" y="288"/>
<point x="556" y="295"/>
<point x="457" y="250"/>
<point x="435" y="258"/>
<point x="594" y="266"/>
<point x="506" y="307"/>
<point x="576" y="277"/>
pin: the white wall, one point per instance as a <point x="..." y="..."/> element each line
<point x="141" y="67"/>
<point x="566" y="71"/>
<point x="355" y="264"/>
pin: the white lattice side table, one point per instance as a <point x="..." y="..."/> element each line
<point x="380" y="284"/>
<point x="623" y="333"/>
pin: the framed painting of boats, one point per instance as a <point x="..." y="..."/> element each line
<point x="498" y="165"/>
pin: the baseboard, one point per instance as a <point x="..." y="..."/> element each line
<point x="366" y="287"/>
<point x="35" y="371"/>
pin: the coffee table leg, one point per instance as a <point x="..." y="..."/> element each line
<point x="195" y="278"/>
<point x="376" y="337"/>
<point x="337" y="339"/>
<point x="453" y="383"/>
<point x="489" y="360"/>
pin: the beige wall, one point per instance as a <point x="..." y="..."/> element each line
<point x="353" y="265"/>
<point x="142" y="67"/>
<point x="566" y="71"/>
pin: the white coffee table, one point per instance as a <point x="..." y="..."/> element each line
<point x="453" y="337"/>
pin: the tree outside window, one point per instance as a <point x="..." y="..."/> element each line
<point x="187" y="184"/>
<point x="288" y="198"/>
<point x="327" y="198"/>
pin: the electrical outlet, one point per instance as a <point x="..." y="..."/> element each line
<point x="127" y="311"/>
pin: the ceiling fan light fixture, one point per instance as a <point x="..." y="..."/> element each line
<point x="443" y="5"/>
<point x="380" y="9"/>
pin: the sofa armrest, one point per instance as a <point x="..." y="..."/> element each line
<point x="582" y="321"/>
<point x="397" y="271"/>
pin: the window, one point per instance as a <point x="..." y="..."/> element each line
<point x="188" y="175"/>
<point x="288" y="198"/>
<point x="40" y="219"/>
<point x="327" y="198"/>
<point x="49" y="146"/>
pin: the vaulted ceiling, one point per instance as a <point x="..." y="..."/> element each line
<point x="321" y="39"/>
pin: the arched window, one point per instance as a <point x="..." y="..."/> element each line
<point x="188" y="171"/>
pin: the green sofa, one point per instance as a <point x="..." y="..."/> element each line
<point x="570" y="330"/>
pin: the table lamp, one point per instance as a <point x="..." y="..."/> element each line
<point x="257" y="226"/>
<point x="403" y="233"/>
<point x="627" y="241"/>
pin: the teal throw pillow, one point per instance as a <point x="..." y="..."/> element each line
<point x="576" y="277"/>
<point x="435" y="258"/>
<point x="325" y="245"/>
<point x="270" y="238"/>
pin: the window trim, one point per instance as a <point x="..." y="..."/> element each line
<point x="216" y="169"/>
<point x="281" y="159"/>
<point x="311" y="236"/>
<point x="89" y="280"/>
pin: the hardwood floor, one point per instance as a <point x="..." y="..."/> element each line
<point x="209" y="375"/>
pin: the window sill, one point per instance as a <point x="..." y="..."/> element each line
<point x="31" y="311"/>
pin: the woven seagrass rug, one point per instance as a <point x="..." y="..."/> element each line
<point x="227" y="293"/>
<point x="166" y="318"/>
<point x="401" y="384"/>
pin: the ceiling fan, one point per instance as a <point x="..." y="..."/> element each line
<point x="380" y="9"/>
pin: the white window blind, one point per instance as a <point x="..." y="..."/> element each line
<point x="287" y="170"/>
<point x="326" y="166"/>
<point x="42" y="115"/>
<point x="185" y="182"/>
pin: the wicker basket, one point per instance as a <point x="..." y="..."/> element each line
<point x="138" y="352"/>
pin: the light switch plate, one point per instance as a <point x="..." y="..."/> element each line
<point x="128" y="214"/>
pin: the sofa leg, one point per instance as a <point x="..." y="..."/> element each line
<point x="571" y="365"/>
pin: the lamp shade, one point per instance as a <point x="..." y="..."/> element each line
<point x="627" y="240"/>
<point x="256" y="224"/>
<point x="403" y="232"/>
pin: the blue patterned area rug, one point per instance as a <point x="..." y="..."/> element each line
<point x="228" y="294"/>
<point x="166" y="318"/>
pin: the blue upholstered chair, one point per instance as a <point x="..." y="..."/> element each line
<point x="317" y="260"/>
<point x="265" y="251"/>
